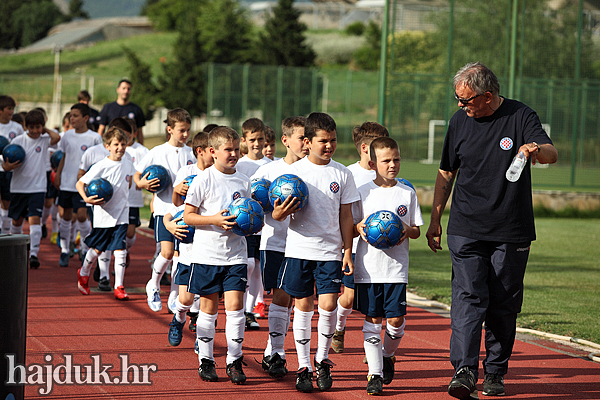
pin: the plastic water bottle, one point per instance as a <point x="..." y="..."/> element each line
<point x="516" y="167"/>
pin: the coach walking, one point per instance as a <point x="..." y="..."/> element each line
<point x="491" y="223"/>
<point x="122" y="107"/>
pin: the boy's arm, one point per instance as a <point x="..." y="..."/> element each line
<point x="178" y="191"/>
<point x="80" y="173"/>
<point x="347" y="229"/>
<point x="176" y="230"/>
<point x="143" y="183"/>
<point x="191" y="217"/>
<point x="410" y="232"/>
<point x="282" y="211"/>
<point x="54" y="136"/>
<point x="9" y="166"/>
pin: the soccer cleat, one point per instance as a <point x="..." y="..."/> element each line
<point x="324" y="379"/>
<point x="82" y="283"/>
<point x="193" y="319"/>
<point x="251" y="324"/>
<point x="375" y="385"/>
<point x="388" y="369"/>
<point x="493" y="385"/>
<point x="463" y="384"/>
<point x="337" y="342"/>
<point x="63" y="261"/>
<point x="53" y="237"/>
<point x="153" y="298"/>
<point x="207" y="370"/>
<point x="304" y="380"/>
<point x="235" y="371"/>
<point x="259" y="310"/>
<point x="120" y="293"/>
<point x="44" y="231"/>
<point x="34" y="262"/>
<point x="104" y="285"/>
<point x="175" y="332"/>
<point x="276" y="367"/>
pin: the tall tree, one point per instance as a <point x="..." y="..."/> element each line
<point x="283" y="41"/>
<point x="145" y="93"/>
<point x="76" y="10"/>
<point x="22" y="22"/>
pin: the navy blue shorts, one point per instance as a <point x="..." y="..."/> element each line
<point x="253" y="245"/>
<point x="270" y="266"/>
<point x="103" y="239"/>
<point x="387" y="300"/>
<point x="5" y="178"/>
<point x="26" y="205"/>
<point x="70" y="200"/>
<point x="134" y="216"/>
<point x="161" y="234"/>
<point x="299" y="277"/>
<point x="348" y="280"/>
<point x="210" y="279"/>
<point x="182" y="276"/>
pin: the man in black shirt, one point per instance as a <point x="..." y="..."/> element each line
<point x="122" y="107"/>
<point x="491" y="223"/>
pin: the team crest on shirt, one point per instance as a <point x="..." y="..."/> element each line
<point x="189" y="162"/>
<point x="402" y="210"/>
<point x="38" y="149"/>
<point x="506" y="143"/>
<point x="236" y="195"/>
<point x="12" y="135"/>
<point x="131" y="115"/>
<point x="334" y="187"/>
<point x="83" y="147"/>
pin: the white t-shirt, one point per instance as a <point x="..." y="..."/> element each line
<point x="74" y="145"/>
<point x="274" y="232"/>
<point x="361" y="176"/>
<point x="93" y="155"/>
<point x="314" y="232"/>
<point x="373" y="265"/>
<point x="172" y="158"/>
<point x="186" y="171"/>
<point x="10" y="131"/>
<point x="213" y="191"/>
<point x="248" y="167"/>
<point x="137" y="152"/>
<point x="30" y="177"/>
<point x="119" y="174"/>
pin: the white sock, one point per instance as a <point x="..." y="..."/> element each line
<point x="302" y="332"/>
<point x="64" y="231"/>
<point x="205" y="334"/>
<point x="6" y="221"/>
<point x="392" y="338"/>
<point x="45" y="214"/>
<point x="55" y="217"/>
<point x="180" y="310"/>
<point x="249" y="297"/>
<point x="235" y="324"/>
<point x="129" y="241"/>
<point x="35" y="232"/>
<point x="326" y="329"/>
<point x="158" y="269"/>
<point x="372" y="345"/>
<point x="104" y="264"/>
<point x="278" y="321"/>
<point x="255" y="282"/>
<point x="120" y="257"/>
<point x="342" y="315"/>
<point x="196" y="304"/>
<point x="90" y="257"/>
<point x="174" y="287"/>
<point x="73" y="234"/>
<point x="15" y="230"/>
<point x="84" y="229"/>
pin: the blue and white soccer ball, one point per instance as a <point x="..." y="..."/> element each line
<point x="383" y="229"/>
<point x="260" y="192"/>
<point x="189" y="237"/>
<point x="13" y="153"/>
<point x="55" y="158"/>
<point x="160" y="172"/>
<point x="188" y="181"/>
<point x="249" y="216"/>
<point x="101" y="188"/>
<point x="405" y="182"/>
<point x="3" y="142"/>
<point x="289" y="185"/>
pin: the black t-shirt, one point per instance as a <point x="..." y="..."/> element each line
<point x="485" y="205"/>
<point x="129" y="110"/>
<point x="94" y="119"/>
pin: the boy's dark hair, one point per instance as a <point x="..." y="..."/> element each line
<point x="209" y="128"/>
<point x="84" y="95"/>
<point x="133" y="124"/>
<point x="381" y="143"/>
<point x="220" y="135"/>
<point x="269" y="134"/>
<point x="318" y="121"/>
<point x="200" y="141"/>
<point x="67" y="116"/>
<point x="121" y="123"/>
<point x="252" y="125"/>
<point x="35" y="117"/>
<point x="177" y="115"/>
<point x="366" y="132"/>
<point x="288" y="125"/>
<point x="83" y="108"/>
<point x="18" y="118"/>
<point x="7" y="101"/>
<point x="126" y="81"/>
<point x="114" y="133"/>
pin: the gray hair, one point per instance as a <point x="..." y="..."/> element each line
<point x="478" y="78"/>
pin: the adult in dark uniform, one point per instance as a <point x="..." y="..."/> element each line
<point x="84" y="97"/>
<point x="122" y="107"/>
<point x="491" y="223"/>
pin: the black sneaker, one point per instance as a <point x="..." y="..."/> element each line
<point x="175" y="332"/>
<point x="44" y="231"/>
<point x="251" y="324"/>
<point x="304" y="380"/>
<point x="277" y="367"/>
<point x="337" y="342"/>
<point x="207" y="370"/>
<point x="375" y="385"/>
<point x="324" y="380"/>
<point x="104" y="285"/>
<point x="388" y="369"/>
<point x="34" y="263"/>
<point x="235" y="371"/>
<point x="265" y="363"/>
<point x="493" y="385"/>
<point x="193" y="319"/>
<point x="63" y="261"/>
<point x="463" y="384"/>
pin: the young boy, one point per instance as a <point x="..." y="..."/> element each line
<point x="253" y="137"/>
<point x="270" y="145"/>
<point x="172" y="155"/>
<point x="315" y="236"/>
<point x="110" y="218"/>
<point x="28" y="185"/>
<point x="362" y="136"/>
<point x="73" y="144"/>
<point x="218" y="256"/>
<point x="381" y="275"/>
<point x="10" y="130"/>
<point x="272" y="247"/>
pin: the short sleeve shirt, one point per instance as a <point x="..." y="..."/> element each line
<point x="129" y="110"/>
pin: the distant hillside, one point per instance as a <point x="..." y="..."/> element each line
<point x="113" y="8"/>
